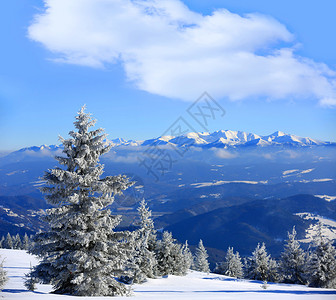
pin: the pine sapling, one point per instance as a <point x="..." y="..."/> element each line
<point x="29" y="280"/>
<point x="264" y="285"/>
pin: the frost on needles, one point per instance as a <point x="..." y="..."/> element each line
<point x="81" y="254"/>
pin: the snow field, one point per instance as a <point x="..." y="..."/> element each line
<point x="196" y="285"/>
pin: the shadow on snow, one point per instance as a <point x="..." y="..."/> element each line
<point x="18" y="291"/>
<point x="250" y="291"/>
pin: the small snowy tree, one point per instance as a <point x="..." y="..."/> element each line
<point x="8" y="243"/>
<point x="322" y="264"/>
<point x="201" y="263"/>
<point x="292" y="263"/>
<point x="30" y="280"/>
<point x="273" y="271"/>
<point x="25" y="242"/>
<point x="187" y="255"/>
<point x="232" y="266"/>
<point x="81" y="254"/>
<point x="17" y="244"/>
<point x="1" y="242"/>
<point x="143" y="262"/>
<point x="147" y="240"/>
<point x="146" y="223"/>
<point x="260" y="266"/>
<point x="169" y="256"/>
<point x="3" y="275"/>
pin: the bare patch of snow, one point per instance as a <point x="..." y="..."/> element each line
<point x="326" y="197"/>
<point x="307" y="171"/>
<point x="317" y="180"/>
<point x="296" y="172"/>
<point x="220" y="182"/>
<point x="289" y="172"/>
<point x="328" y="227"/>
<point x="16" y="172"/>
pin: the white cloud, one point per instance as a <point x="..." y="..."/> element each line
<point x="221" y="153"/>
<point x="169" y="50"/>
<point x="129" y="158"/>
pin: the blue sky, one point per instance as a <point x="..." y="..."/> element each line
<point x="137" y="79"/>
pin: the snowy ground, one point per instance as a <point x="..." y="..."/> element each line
<point x="193" y="286"/>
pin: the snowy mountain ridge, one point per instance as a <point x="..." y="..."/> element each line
<point x="216" y="139"/>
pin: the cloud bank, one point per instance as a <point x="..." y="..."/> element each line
<point x="169" y="50"/>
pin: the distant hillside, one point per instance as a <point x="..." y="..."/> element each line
<point x="20" y="214"/>
<point x="243" y="226"/>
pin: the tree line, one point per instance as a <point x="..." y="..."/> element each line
<point x="15" y="242"/>
<point x="315" y="267"/>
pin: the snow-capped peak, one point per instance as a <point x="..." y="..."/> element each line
<point x="278" y="133"/>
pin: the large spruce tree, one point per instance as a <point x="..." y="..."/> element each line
<point x="81" y="254"/>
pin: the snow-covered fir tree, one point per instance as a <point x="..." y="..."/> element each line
<point x="187" y="255"/>
<point x="201" y="263"/>
<point x="8" y="242"/>
<point x="3" y="275"/>
<point x="292" y="262"/>
<point x="1" y="242"/>
<point x="169" y="256"/>
<point x="17" y="244"/>
<point x="273" y="271"/>
<point x="232" y="266"/>
<point x="25" y="242"/>
<point x="81" y="254"/>
<point x="146" y="224"/>
<point x="260" y="266"/>
<point x="144" y="261"/>
<point x="31" y="241"/>
<point x="322" y="263"/>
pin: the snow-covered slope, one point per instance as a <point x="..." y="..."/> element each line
<point x="194" y="286"/>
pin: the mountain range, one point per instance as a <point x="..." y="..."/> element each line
<point x="216" y="139"/>
<point x="223" y="138"/>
